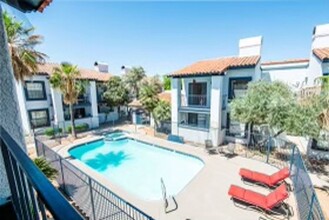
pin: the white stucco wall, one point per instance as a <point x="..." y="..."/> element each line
<point x="314" y="70"/>
<point x="175" y="93"/>
<point x="216" y="109"/>
<point x="193" y="135"/>
<point x="295" y="75"/>
<point x="93" y="101"/>
<point x="23" y="110"/>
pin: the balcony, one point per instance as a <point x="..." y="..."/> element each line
<point x="32" y="194"/>
<point x="195" y="101"/>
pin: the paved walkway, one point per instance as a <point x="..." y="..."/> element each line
<point x="204" y="198"/>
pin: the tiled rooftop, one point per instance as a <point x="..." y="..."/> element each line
<point x="322" y="53"/>
<point x="282" y="62"/>
<point x="217" y="66"/>
<point x="47" y="69"/>
<point x="165" y="96"/>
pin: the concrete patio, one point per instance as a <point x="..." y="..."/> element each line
<point x="204" y="197"/>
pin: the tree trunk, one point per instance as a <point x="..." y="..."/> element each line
<point x="249" y="138"/>
<point x="74" y="135"/>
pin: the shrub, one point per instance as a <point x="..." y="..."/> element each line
<point x="78" y="128"/>
<point x="45" y="167"/>
<point x="51" y="131"/>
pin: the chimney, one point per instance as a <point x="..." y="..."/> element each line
<point x="125" y="69"/>
<point x="320" y="36"/>
<point x="101" y="67"/>
<point x="250" y="46"/>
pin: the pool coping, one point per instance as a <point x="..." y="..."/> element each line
<point x="150" y="207"/>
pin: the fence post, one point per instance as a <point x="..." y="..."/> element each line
<point x="268" y="149"/>
<point x="311" y="206"/>
<point x="292" y="157"/>
<point x="43" y="150"/>
<point x="36" y="146"/>
<point x="91" y="198"/>
<point x="62" y="172"/>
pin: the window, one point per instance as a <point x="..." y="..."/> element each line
<point x="234" y="128"/>
<point x="197" y="120"/>
<point x="197" y="93"/>
<point x="35" y="90"/>
<point x="79" y="113"/>
<point x="238" y="87"/>
<point x="39" y="118"/>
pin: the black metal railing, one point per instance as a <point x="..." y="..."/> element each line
<point x="95" y="200"/>
<point x="32" y="195"/>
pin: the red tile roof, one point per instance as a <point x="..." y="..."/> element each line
<point x="322" y="53"/>
<point x="44" y="4"/>
<point x="292" y="61"/>
<point x="165" y="96"/>
<point x="217" y="66"/>
<point x="47" y="69"/>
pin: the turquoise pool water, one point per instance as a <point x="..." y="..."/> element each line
<point x="138" y="167"/>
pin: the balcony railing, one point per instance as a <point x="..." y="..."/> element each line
<point x="194" y="101"/>
<point x="32" y="195"/>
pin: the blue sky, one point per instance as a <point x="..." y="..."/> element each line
<point x="166" y="36"/>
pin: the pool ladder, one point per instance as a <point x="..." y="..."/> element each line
<point x="166" y="198"/>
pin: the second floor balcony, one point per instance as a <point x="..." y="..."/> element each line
<point x="195" y="101"/>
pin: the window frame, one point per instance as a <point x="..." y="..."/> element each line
<point x="43" y="91"/>
<point x="244" y="78"/>
<point x="191" y="126"/>
<point x="35" y="110"/>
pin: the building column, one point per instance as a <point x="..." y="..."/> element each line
<point x="93" y="102"/>
<point x="22" y="105"/>
<point x="216" y="110"/>
<point x="57" y="100"/>
<point x="175" y="102"/>
<point x="10" y="116"/>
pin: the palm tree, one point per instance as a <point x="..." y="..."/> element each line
<point x="45" y="167"/>
<point x="162" y="111"/>
<point x="153" y="81"/>
<point x="149" y="98"/>
<point x="133" y="78"/>
<point x="21" y="43"/>
<point x="65" y="78"/>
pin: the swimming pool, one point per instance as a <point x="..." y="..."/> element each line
<point x="138" y="167"/>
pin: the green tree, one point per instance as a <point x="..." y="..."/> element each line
<point x="66" y="79"/>
<point x="275" y="105"/>
<point x="149" y="98"/>
<point x="162" y="112"/>
<point x="166" y="83"/>
<point x="21" y="43"/>
<point x="132" y="80"/>
<point x="116" y="93"/>
<point x="45" y="167"/>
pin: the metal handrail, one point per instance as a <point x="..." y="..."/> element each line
<point x="92" y="180"/>
<point x="57" y="205"/>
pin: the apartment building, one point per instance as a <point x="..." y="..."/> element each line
<point x="202" y="91"/>
<point x="42" y="106"/>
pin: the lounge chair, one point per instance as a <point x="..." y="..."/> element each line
<point x="272" y="181"/>
<point x="175" y="138"/>
<point x="272" y="203"/>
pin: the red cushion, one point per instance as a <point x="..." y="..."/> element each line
<point x="248" y="196"/>
<point x="255" y="176"/>
<point x="279" y="176"/>
<point x="277" y="196"/>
